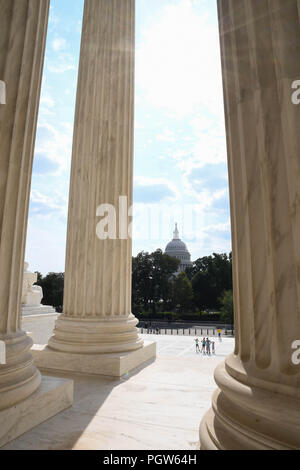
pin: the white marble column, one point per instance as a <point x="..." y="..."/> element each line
<point x="257" y="405"/>
<point x="97" y="299"/>
<point x="23" y="25"/>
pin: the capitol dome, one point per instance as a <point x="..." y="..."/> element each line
<point x="176" y="245"/>
<point x="178" y="249"/>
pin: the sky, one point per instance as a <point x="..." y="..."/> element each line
<point x="180" y="168"/>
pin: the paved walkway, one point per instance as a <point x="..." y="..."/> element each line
<point x="184" y="346"/>
<point x="158" y="406"/>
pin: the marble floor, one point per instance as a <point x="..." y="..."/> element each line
<point x="158" y="406"/>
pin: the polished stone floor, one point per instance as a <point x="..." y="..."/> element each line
<point x="159" y="406"/>
<point x="184" y="346"/>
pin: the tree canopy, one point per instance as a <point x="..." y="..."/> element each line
<point x="155" y="285"/>
<point x="210" y="276"/>
<point x="227" y="310"/>
<point x="53" y="289"/>
<point x="151" y="279"/>
<point x="183" y="293"/>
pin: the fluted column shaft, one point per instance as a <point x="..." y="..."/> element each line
<point x="23" y="25"/>
<point x="258" y="401"/>
<point x="97" y="297"/>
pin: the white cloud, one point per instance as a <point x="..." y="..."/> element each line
<point x="45" y="206"/>
<point x="45" y="112"/>
<point x="53" y="19"/>
<point x="79" y="26"/>
<point x="63" y="62"/>
<point x="225" y="227"/>
<point x="173" y="70"/>
<point x="59" y="44"/>
<point x="206" y="145"/>
<point x="55" y="143"/>
<point x="154" y="189"/>
<point x="60" y="68"/>
<point x="166" y="136"/>
<point x="179" y="72"/>
<point x="138" y="125"/>
<point x="47" y="100"/>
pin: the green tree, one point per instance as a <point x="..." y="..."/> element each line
<point x="155" y="287"/>
<point x="151" y="280"/>
<point x="203" y="290"/>
<point x="164" y="267"/>
<point x="141" y="281"/>
<point x="183" y="292"/>
<point x="227" y="308"/>
<point x="210" y="276"/>
<point x="53" y="289"/>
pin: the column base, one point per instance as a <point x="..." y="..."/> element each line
<point x="53" y="395"/>
<point x="95" y="335"/>
<point x="111" y="364"/>
<point x="247" y="417"/>
<point x="19" y="377"/>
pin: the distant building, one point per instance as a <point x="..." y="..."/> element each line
<point x="178" y="249"/>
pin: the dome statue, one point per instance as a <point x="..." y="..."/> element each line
<point x="178" y="249"/>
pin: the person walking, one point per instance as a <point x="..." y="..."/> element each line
<point x="219" y="335"/>
<point x="213" y="347"/>
<point x="197" y="345"/>
<point x="208" y="346"/>
<point x="203" y="346"/>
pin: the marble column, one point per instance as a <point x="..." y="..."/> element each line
<point x="97" y="296"/>
<point x="26" y="398"/>
<point x="257" y="404"/>
<point x="23" y="25"/>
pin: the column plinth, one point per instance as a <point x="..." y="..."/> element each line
<point x="257" y="404"/>
<point x="97" y="318"/>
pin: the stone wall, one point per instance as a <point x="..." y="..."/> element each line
<point x="40" y="326"/>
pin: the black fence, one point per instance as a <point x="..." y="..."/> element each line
<point x="186" y="331"/>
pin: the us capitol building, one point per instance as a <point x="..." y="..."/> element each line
<point x="178" y="249"/>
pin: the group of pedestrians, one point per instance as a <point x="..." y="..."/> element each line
<point x="152" y="329"/>
<point x="207" y="346"/>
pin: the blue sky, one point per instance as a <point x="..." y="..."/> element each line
<point x="180" y="169"/>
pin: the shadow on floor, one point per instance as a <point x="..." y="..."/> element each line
<point x="62" y="431"/>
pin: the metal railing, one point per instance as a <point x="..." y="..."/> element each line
<point x="185" y="331"/>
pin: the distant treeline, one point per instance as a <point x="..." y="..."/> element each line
<point x="157" y="292"/>
<point x="205" y="286"/>
<point x="53" y="289"/>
